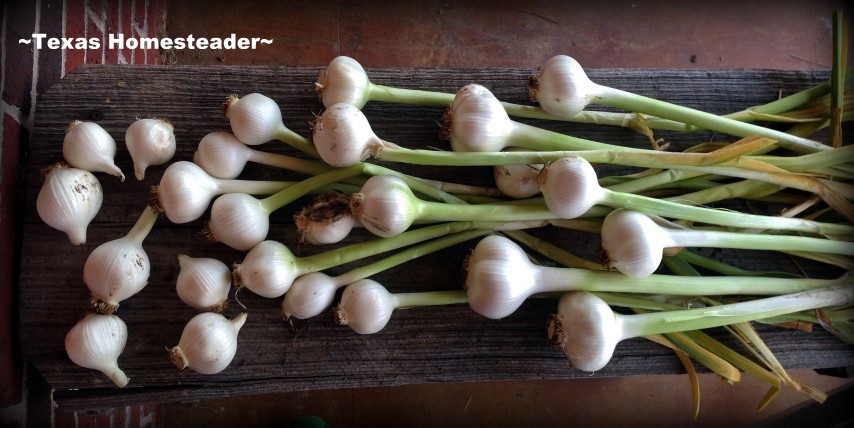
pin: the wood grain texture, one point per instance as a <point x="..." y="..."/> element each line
<point x="440" y="344"/>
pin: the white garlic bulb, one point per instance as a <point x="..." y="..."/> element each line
<point x="586" y="330"/>
<point x="268" y="269"/>
<point x="309" y="295"/>
<point x="343" y="81"/>
<point x="517" y="181"/>
<point x="203" y="283"/>
<point x="570" y="187"/>
<point x="222" y="155"/>
<point x="118" y="269"/>
<point x="255" y="118"/>
<point x="96" y="342"/>
<point x="365" y="307"/>
<point x="476" y="121"/>
<point x="343" y="136"/>
<point x="68" y="200"/>
<point x="88" y="146"/>
<point x="385" y="205"/>
<point x="562" y="88"/>
<point x="238" y="220"/>
<point x="150" y="142"/>
<point x="208" y="343"/>
<point x="326" y="219"/>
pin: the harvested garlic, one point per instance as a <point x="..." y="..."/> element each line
<point x="203" y="283"/>
<point x="150" y="142"/>
<point x="326" y="219"/>
<point x="68" y="200"/>
<point x="96" y="342"/>
<point x="88" y="146"/>
<point x="208" y="343"/>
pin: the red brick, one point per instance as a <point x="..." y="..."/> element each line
<point x="10" y="204"/>
<point x="50" y="60"/>
<point x="19" y="57"/>
<point x="75" y="26"/>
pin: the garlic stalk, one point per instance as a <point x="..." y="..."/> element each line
<point x="150" y="142"/>
<point x="563" y="89"/>
<point x="256" y="119"/>
<point x="312" y="293"/>
<point x="634" y="243"/>
<point x="96" y="342"/>
<point x="500" y="277"/>
<point x="326" y="219"/>
<point x="203" y="283"/>
<point x="570" y="188"/>
<point x="208" y="343"/>
<point x="118" y="269"/>
<point x="242" y="221"/>
<point x="386" y="207"/>
<point x="222" y="155"/>
<point x="68" y="200"/>
<point x="366" y="306"/>
<point x="88" y="146"/>
<point x="587" y="330"/>
<point x="186" y="191"/>
<point x="269" y="268"/>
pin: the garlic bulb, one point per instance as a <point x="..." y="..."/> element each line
<point x="88" y="146"/>
<point x="476" y="121"/>
<point x="562" y="87"/>
<point x="118" y="269"/>
<point x="255" y="118"/>
<point x="586" y="329"/>
<point x="203" y="283"/>
<point x="208" y="343"/>
<point x="185" y="190"/>
<point x="326" y="219"/>
<point x="570" y="187"/>
<point x="150" y="142"/>
<point x="385" y="206"/>
<point x="343" y="136"/>
<point x="365" y="307"/>
<point x="499" y="277"/>
<point x="268" y="269"/>
<point x="343" y="81"/>
<point x="517" y="181"/>
<point x="68" y="200"/>
<point x="239" y="221"/>
<point x="222" y="155"/>
<point x="309" y="295"/>
<point x="96" y="342"/>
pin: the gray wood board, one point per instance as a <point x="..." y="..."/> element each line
<point x="439" y="344"/>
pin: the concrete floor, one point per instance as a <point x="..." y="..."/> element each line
<point x="723" y="34"/>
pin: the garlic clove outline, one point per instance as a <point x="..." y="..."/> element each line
<point x="96" y="342"/>
<point x="203" y="283"/>
<point x="89" y="146"/>
<point x="150" y="142"/>
<point x="69" y="199"/>
<point x="208" y="343"/>
<point x="343" y="81"/>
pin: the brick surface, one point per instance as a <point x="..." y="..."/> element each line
<point x="75" y="26"/>
<point x="94" y="56"/>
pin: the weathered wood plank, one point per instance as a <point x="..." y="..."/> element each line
<point x="419" y="345"/>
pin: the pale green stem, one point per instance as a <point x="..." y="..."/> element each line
<point x="750" y="241"/>
<point x="302" y="188"/>
<point x="297" y="141"/>
<point x="429" y="298"/>
<point x="143" y="225"/>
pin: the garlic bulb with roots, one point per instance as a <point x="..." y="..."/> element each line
<point x="564" y="90"/>
<point x="326" y="219"/>
<point x="343" y="81"/>
<point x="517" y="181"/>
<point x="587" y="330"/>
<point x="68" y="200"/>
<point x="186" y="190"/>
<point x="150" y="142"/>
<point x="118" y="269"/>
<point x="343" y="136"/>
<point x="634" y="243"/>
<point x="203" y="283"/>
<point x="500" y="277"/>
<point x="366" y="306"/>
<point x="208" y="343"/>
<point x="256" y="119"/>
<point x="96" y="342"/>
<point x="88" y="146"/>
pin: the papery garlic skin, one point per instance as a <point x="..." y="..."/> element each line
<point x="268" y="270"/>
<point x="68" y="200"/>
<point x="517" y="181"/>
<point x="562" y="88"/>
<point x="633" y="242"/>
<point x="96" y="342"/>
<point x="476" y="121"/>
<point x="239" y="221"/>
<point x="150" y="142"/>
<point x="343" y="81"/>
<point x="343" y="136"/>
<point x="203" y="283"/>
<point x="385" y="206"/>
<point x="208" y="343"/>
<point x="88" y="146"/>
<point x="498" y="278"/>
<point x="255" y="118"/>
<point x="309" y="296"/>
<point x="222" y="155"/>
<point x="570" y="187"/>
<point x="586" y="329"/>
<point x="185" y="192"/>
<point x="326" y="219"/>
<point x="365" y="307"/>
